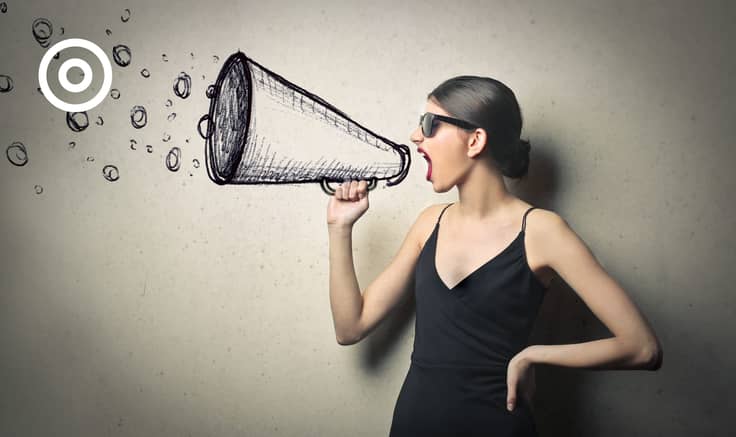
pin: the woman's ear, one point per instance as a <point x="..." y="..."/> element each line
<point x="476" y="142"/>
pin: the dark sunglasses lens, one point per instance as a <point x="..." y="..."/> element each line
<point x="427" y="125"/>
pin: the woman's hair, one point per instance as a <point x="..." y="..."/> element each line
<point x="491" y="105"/>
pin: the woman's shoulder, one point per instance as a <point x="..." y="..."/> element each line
<point x="426" y="221"/>
<point x="543" y="219"/>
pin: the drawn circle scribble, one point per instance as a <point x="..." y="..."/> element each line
<point x="215" y="59"/>
<point x="138" y="116"/>
<point x="149" y="148"/>
<point x="211" y="92"/>
<point x="108" y="32"/>
<point x="126" y="16"/>
<point x="17" y="154"/>
<point x="171" y="116"/>
<point x="133" y="144"/>
<point x="115" y="93"/>
<point x="6" y="83"/>
<point x="111" y="173"/>
<point x="77" y="121"/>
<point x="195" y="163"/>
<point x="72" y="144"/>
<point x="183" y="85"/>
<point x="145" y="73"/>
<point x="106" y="74"/>
<point x="205" y="119"/>
<point x="169" y="103"/>
<point x="42" y="31"/>
<point x="100" y="121"/>
<point x="173" y="159"/>
<point x="166" y="138"/>
<point x="3" y="7"/>
<point x="121" y="55"/>
<point x="39" y="189"/>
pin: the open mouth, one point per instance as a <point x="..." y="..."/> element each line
<point x="429" y="162"/>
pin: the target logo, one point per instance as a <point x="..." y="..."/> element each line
<point x="64" y="69"/>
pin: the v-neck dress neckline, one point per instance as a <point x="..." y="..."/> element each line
<point x="435" y="236"/>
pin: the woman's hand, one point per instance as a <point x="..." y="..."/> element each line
<point x="348" y="203"/>
<point x="519" y="380"/>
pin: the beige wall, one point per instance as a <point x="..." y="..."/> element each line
<point x="164" y="304"/>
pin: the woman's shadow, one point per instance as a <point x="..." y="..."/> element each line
<point x="563" y="318"/>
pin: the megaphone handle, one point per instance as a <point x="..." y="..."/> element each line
<point x="325" y="184"/>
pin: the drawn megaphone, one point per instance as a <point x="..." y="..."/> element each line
<point x="263" y="129"/>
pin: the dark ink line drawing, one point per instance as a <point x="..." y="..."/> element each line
<point x="6" y="83"/>
<point x="133" y="144"/>
<point x="17" y="154"/>
<point x="3" y="7"/>
<point x="100" y="121"/>
<point x="115" y="93"/>
<point x="195" y="163"/>
<point x="77" y="121"/>
<point x="121" y="55"/>
<point x="145" y="73"/>
<point x="169" y="103"/>
<point x="108" y="32"/>
<point x="42" y="31"/>
<point x="238" y="153"/>
<point x="149" y="148"/>
<point x="39" y="189"/>
<point x="138" y="117"/>
<point x="126" y="16"/>
<point x="110" y="172"/>
<point x="173" y="159"/>
<point x="183" y="85"/>
<point x="164" y="57"/>
<point x="166" y="138"/>
<point x="72" y="144"/>
<point x="171" y="116"/>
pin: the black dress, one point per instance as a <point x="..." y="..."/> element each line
<point x="464" y="340"/>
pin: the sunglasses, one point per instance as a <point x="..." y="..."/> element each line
<point x="428" y="123"/>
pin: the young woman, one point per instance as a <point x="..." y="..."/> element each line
<point x="481" y="267"/>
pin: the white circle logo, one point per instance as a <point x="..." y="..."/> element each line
<point x="86" y="70"/>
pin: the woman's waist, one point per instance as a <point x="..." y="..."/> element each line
<point x="487" y="366"/>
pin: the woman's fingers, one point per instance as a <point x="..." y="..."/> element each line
<point x="351" y="190"/>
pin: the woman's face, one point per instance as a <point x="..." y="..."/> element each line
<point x="445" y="151"/>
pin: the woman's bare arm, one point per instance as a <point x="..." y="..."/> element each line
<point x="356" y="315"/>
<point x="634" y="344"/>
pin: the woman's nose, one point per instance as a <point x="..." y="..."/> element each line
<point x="416" y="136"/>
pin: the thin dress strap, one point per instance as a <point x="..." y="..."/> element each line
<point x="523" y="221"/>
<point x="443" y="211"/>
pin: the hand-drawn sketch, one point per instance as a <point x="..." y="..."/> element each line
<point x="173" y="159"/>
<point x="77" y="121"/>
<point x="42" y="31"/>
<point x="17" y="154"/>
<point x="138" y="116"/>
<point x="121" y="55"/>
<point x="183" y="85"/>
<point x="6" y="83"/>
<point x="110" y="172"/>
<point x="290" y="120"/>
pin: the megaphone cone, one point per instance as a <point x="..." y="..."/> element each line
<point x="292" y="125"/>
